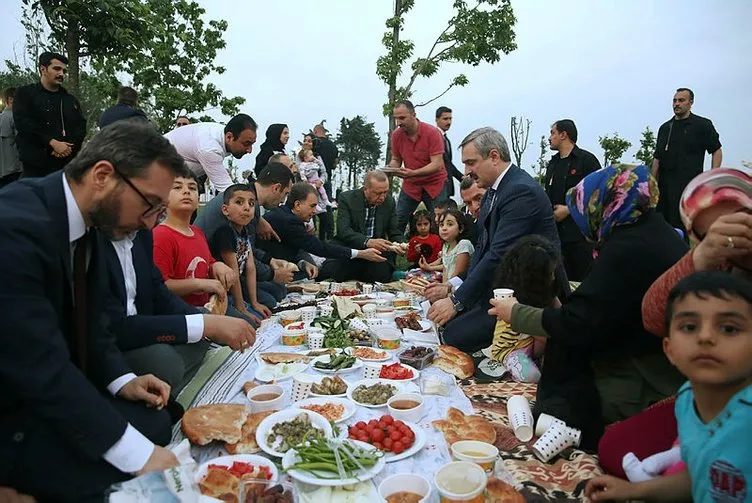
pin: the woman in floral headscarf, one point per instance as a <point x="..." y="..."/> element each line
<point x="614" y="209"/>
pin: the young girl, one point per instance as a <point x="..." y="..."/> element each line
<point x="424" y="242"/>
<point x="312" y="169"/>
<point x="456" y="251"/>
<point x="527" y="268"/>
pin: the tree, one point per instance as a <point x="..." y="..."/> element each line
<point x="519" y="133"/>
<point x="472" y="35"/>
<point x="359" y="149"/>
<point x="647" y="147"/>
<point x="613" y="148"/>
<point x="539" y="168"/>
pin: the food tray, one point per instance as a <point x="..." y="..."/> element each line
<point x="417" y="363"/>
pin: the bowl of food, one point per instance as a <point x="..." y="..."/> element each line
<point x="287" y="317"/>
<point x="372" y="393"/>
<point x="385" y="312"/>
<point x="311" y="288"/>
<point x="294" y="334"/>
<point x="405" y="488"/>
<point x="461" y="481"/>
<point x="418" y="357"/>
<point x="266" y="397"/>
<point x="285" y="429"/>
<point x="330" y="387"/>
<point x="388" y="338"/>
<point x="406" y="407"/>
<point x="481" y="453"/>
<point x="401" y="301"/>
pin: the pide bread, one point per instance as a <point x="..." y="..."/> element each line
<point x="248" y="444"/>
<point x="220" y="421"/>
<point x="454" y="361"/>
<point x="457" y="426"/>
<point x="498" y="491"/>
<point x="275" y="358"/>
<point x="217" y="305"/>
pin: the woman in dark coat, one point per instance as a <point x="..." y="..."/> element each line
<point x="602" y="319"/>
<point x="277" y="136"/>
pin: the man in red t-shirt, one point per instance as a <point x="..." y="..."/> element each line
<point x="417" y="158"/>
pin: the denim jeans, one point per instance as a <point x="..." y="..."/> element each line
<point x="406" y="206"/>
<point x="232" y="311"/>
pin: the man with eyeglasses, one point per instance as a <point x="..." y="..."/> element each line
<point x="69" y="397"/>
<point x="51" y="126"/>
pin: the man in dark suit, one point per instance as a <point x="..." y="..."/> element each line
<point x="72" y="417"/>
<point x="125" y="108"/>
<point x="366" y="218"/>
<point x="444" y="122"/>
<point x="158" y="332"/>
<point x="514" y="206"/>
<point x="288" y="221"/>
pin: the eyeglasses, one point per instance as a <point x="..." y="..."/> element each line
<point x="151" y="209"/>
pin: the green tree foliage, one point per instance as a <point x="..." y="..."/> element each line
<point x="359" y="149"/>
<point x="613" y="148"/>
<point x="647" y="147"/>
<point x="479" y="31"/>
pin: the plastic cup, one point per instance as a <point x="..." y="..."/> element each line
<point x="308" y="314"/>
<point x="520" y="417"/>
<point x="327" y="310"/>
<point x="480" y="453"/>
<point x="301" y="387"/>
<point x="371" y="370"/>
<point x="315" y="339"/>
<point x="374" y="323"/>
<point x="469" y="477"/>
<point x="545" y="421"/>
<point x="367" y="288"/>
<point x="503" y="293"/>
<point x="552" y="442"/>
<point x="369" y="311"/>
<point x="388" y="338"/>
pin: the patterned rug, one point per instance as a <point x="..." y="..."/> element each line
<point x="561" y="479"/>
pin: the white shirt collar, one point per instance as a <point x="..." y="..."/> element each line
<point x="495" y="185"/>
<point x="76" y="224"/>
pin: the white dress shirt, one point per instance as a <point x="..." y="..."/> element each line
<point x="202" y="146"/>
<point x="194" y="322"/>
<point x="132" y="451"/>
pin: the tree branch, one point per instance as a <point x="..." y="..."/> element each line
<point x="437" y="97"/>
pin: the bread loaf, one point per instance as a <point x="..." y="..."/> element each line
<point x="455" y="362"/>
<point x="220" y="421"/>
<point x="498" y="491"/>
<point x="217" y="305"/>
<point x="457" y="426"/>
<point x="248" y="444"/>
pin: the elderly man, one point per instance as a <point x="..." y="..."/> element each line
<point x="366" y="219"/>
<point x="514" y="206"/>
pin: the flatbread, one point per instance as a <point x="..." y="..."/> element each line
<point x="248" y="444"/>
<point x="219" y="421"/>
<point x="457" y="426"/>
<point x="220" y="484"/>
<point x="275" y="358"/>
<point x="217" y="305"/>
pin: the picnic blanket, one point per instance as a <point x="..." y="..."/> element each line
<point x="562" y="479"/>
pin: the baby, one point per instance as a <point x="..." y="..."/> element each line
<point x="312" y="169"/>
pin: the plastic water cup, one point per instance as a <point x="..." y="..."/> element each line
<point x="301" y="387"/>
<point x="367" y="288"/>
<point x="545" y="421"/>
<point x="520" y="417"/>
<point x="327" y="310"/>
<point x="552" y="443"/>
<point x="503" y="293"/>
<point x="371" y="370"/>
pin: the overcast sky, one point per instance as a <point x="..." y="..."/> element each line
<point x="609" y="65"/>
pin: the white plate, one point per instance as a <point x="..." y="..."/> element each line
<point x="265" y="427"/>
<point x="243" y="458"/>
<point x="307" y="493"/>
<point x="290" y="458"/>
<point x="279" y="372"/>
<point x="420" y="441"/>
<point x="369" y="382"/>
<point x="349" y="411"/>
<point x="416" y="374"/>
<point x="386" y="356"/>
<point x="329" y="396"/>
<point x="326" y="359"/>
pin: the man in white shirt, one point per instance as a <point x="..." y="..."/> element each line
<point x="73" y="417"/>
<point x="204" y="146"/>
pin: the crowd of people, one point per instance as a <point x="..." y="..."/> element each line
<point x="109" y="273"/>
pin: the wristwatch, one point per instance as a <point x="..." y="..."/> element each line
<point x="458" y="306"/>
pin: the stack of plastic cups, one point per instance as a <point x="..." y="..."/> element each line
<point x="327" y="310"/>
<point x="555" y="436"/>
<point x="301" y="387"/>
<point x="308" y="314"/>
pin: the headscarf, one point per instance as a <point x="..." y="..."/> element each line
<point x="712" y="187"/>
<point x="616" y="195"/>
<point x="271" y="144"/>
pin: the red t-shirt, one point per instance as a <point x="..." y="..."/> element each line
<point x="431" y="240"/>
<point x="416" y="154"/>
<point x="183" y="257"/>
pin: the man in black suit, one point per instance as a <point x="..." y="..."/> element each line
<point x="125" y="108"/>
<point x="444" y="122"/>
<point x="514" y="206"/>
<point x="158" y="332"/>
<point x="366" y="218"/>
<point x="472" y="196"/>
<point x="72" y="417"/>
<point x="288" y="221"/>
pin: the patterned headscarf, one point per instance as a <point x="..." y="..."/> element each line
<point x="712" y="187"/>
<point x="616" y="195"/>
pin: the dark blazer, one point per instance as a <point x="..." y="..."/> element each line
<point x="161" y="313"/>
<point x="120" y="112"/>
<point x="295" y="239"/>
<point x="39" y="378"/>
<point x="351" y="220"/>
<point x="520" y="208"/>
<point x="451" y="169"/>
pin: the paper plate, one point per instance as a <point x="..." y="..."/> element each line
<point x="290" y="458"/>
<point x="350" y="407"/>
<point x="326" y="359"/>
<point x="243" y="458"/>
<point x="387" y="356"/>
<point x="399" y="388"/>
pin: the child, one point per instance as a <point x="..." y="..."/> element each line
<point x="233" y="245"/>
<point x="457" y="250"/>
<point x="311" y="168"/>
<point x="424" y="242"/>
<point x="182" y="254"/>
<point x="528" y="267"/>
<point x="709" y="325"/>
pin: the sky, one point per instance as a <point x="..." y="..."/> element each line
<point x="611" y="66"/>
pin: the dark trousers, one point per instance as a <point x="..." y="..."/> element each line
<point x="8" y="179"/>
<point x="45" y="466"/>
<point x="326" y="226"/>
<point x="577" y="256"/>
<point x="356" y="269"/>
<point x="270" y="293"/>
<point x="406" y="206"/>
<point x="174" y="364"/>
<point x="471" y="330"/>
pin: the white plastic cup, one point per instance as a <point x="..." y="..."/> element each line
<point x="327" y="310"/>
<point x="520" y="417"/>
<point x="545" y="421"/>
<point x="503" y="293"/>
<point x="371" y="370"/>
<point x="460" y="470"/>
<point x="301" y="387"/>
<point x="367" y="288"/>
<point x="315" y="340"/>
<point x="374" y="323"/>
<point x="308" y="314"/>
<point x="483" y="453"/>
<point x="552" y="442"/>
<point x="575" y="434"/>
<point x="369" y="311"/>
